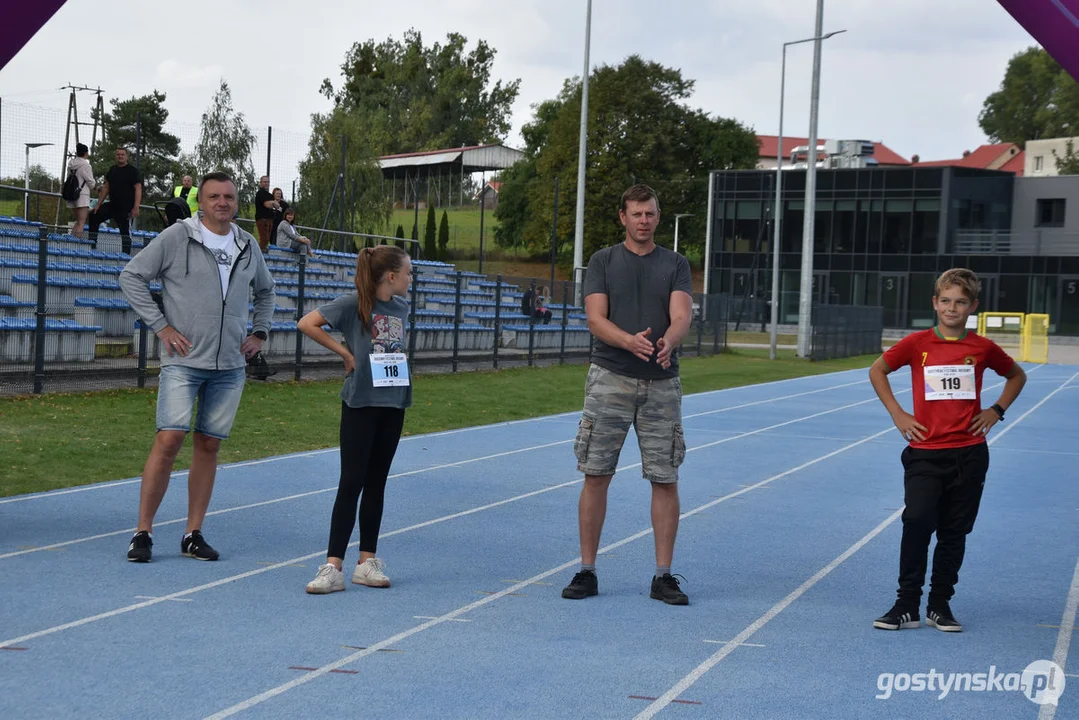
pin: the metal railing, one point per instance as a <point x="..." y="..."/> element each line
<point x="1040" y="242"/>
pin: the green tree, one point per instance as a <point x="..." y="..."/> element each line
<point x="430" y="247"/>
<point x="225" y="143"/>
<point x="443" y="236"/>
<point x="1068" y="163"/>
<point x="411" y="97"/>
<point x="157" y="150"/>
<point x="639" y="129"/>
<point x="400" y="234"/>
<point x="321" y="179"/>
<point x="1037" y="99"/>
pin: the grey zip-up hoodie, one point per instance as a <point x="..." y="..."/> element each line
<point x="191" y="283"/>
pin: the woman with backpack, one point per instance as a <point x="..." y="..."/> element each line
<point x="376" y="392"/>
<point x="77" y="187"/>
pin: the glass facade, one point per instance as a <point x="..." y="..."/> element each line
<point x="881" y="236"/>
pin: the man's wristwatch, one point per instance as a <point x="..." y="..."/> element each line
<point x="261" y="335"/>
<point x="999" y="410"/>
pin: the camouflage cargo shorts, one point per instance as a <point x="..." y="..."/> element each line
<point x="612" y="403"/>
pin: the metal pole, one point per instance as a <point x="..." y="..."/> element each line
<point x="483" y="205"/>
<point x="41" y="311"/>
<point x="805" y="300"/>
<point x="302" y="267"/>
<point x="777" y="215"/>
<point x="708" y="236"/>
<point x="498" y="317"/>
<point x="26" y="187"/>
<point x="554" y="233"/>
<point x="344" y="191"/>
<point x="578" y="236"/>
<point x="269" y="144"/>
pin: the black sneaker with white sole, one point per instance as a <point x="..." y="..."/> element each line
<point x="195" y="545"/>
<point x="939" y="615"/>
<point x="898" y="618"/>
<point x="140" y="548"/>
<point x="584" y="584"/>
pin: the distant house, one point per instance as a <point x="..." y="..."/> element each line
<point x="767" y="159"/>
<point x="490" y="198"/>
<point x="1007" y="157"/>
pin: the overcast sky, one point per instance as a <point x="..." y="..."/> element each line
<point x="910" y="73"/>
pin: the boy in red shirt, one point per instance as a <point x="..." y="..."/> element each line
<point x="945" y="464"/>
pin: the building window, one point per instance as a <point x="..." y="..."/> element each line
<point x="1050" y="212"/>
<point x="1038" y="162"/>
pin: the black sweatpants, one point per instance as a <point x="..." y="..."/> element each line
<point x="369" y="438"/>
<point x="942" y="491"/>
<point x="120" y="218"/>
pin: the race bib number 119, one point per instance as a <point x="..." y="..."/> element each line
<point x="949" y="382"/>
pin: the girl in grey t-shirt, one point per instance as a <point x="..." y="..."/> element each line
<point x="377" y="389"/>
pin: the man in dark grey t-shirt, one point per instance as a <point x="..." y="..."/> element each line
<point x="638" y="298"/>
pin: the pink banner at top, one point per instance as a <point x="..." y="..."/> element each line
<point x="1054" y="24"/>
<point x="21" y="21"/>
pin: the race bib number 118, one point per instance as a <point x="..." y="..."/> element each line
<point x="389" y="369"/>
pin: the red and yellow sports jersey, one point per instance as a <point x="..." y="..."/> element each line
<point x="946" y="376"/>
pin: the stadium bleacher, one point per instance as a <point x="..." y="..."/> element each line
<point x="86" y="306"/>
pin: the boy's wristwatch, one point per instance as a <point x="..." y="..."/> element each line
<point x="999" y="409"/>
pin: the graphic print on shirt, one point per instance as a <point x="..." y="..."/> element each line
<point x="387" y="334"/>
<point x="223" y="256"/>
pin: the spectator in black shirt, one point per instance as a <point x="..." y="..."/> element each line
<point x="279" y="211"/>
<point x="265" y="206"/>
<point x="123" y="187"/>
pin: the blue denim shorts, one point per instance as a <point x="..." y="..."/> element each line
<point x="217" y="392"/>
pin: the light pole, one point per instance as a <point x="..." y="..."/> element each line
<point x="578" y="234"/>
<point x="805" y="300"/>
<point x="676" y="217"/>
<point x="777" y="213"/>
<point x="26" y="180"/>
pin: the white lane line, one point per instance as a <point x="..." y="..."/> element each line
<point x="128" y="531"/>
<point x="724" y="642"/>
<point x="445" y="518"/>
<point x="263" y="503"/>
<point x="453" y="615"/>
<point x="697" y="673"/>
<point x="408" y="438"/>
<point x="1064" y="637"/>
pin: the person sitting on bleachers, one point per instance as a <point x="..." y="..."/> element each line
<point x="288" y="237"/>
<point x="532" y="305"/>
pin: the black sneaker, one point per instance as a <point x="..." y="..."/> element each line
<point x="939" y="615"/>
<point x="584" y="584"/>
<point x="139" y="549"/>
<point x="899" y="617"/>
<point x="195" y="545"/>
<point x="666" y="588"/>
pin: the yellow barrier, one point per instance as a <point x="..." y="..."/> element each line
<point x="1035" y="345"/>
<point x="1024" y="336"/>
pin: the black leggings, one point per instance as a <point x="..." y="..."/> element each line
<point x="369" y="438"/>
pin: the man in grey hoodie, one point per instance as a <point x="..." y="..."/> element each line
<point x="207" y="267"/>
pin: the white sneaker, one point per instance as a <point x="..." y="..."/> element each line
<point x="329" y="579"/>
<point x="370" y="573"/>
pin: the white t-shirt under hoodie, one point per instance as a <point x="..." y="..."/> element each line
<point x="225" y="249"/>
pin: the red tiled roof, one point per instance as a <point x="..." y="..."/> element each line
<point x="982" y="158"/>
<point x="1016" y="164"/>
<point x="770" y="145"/>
